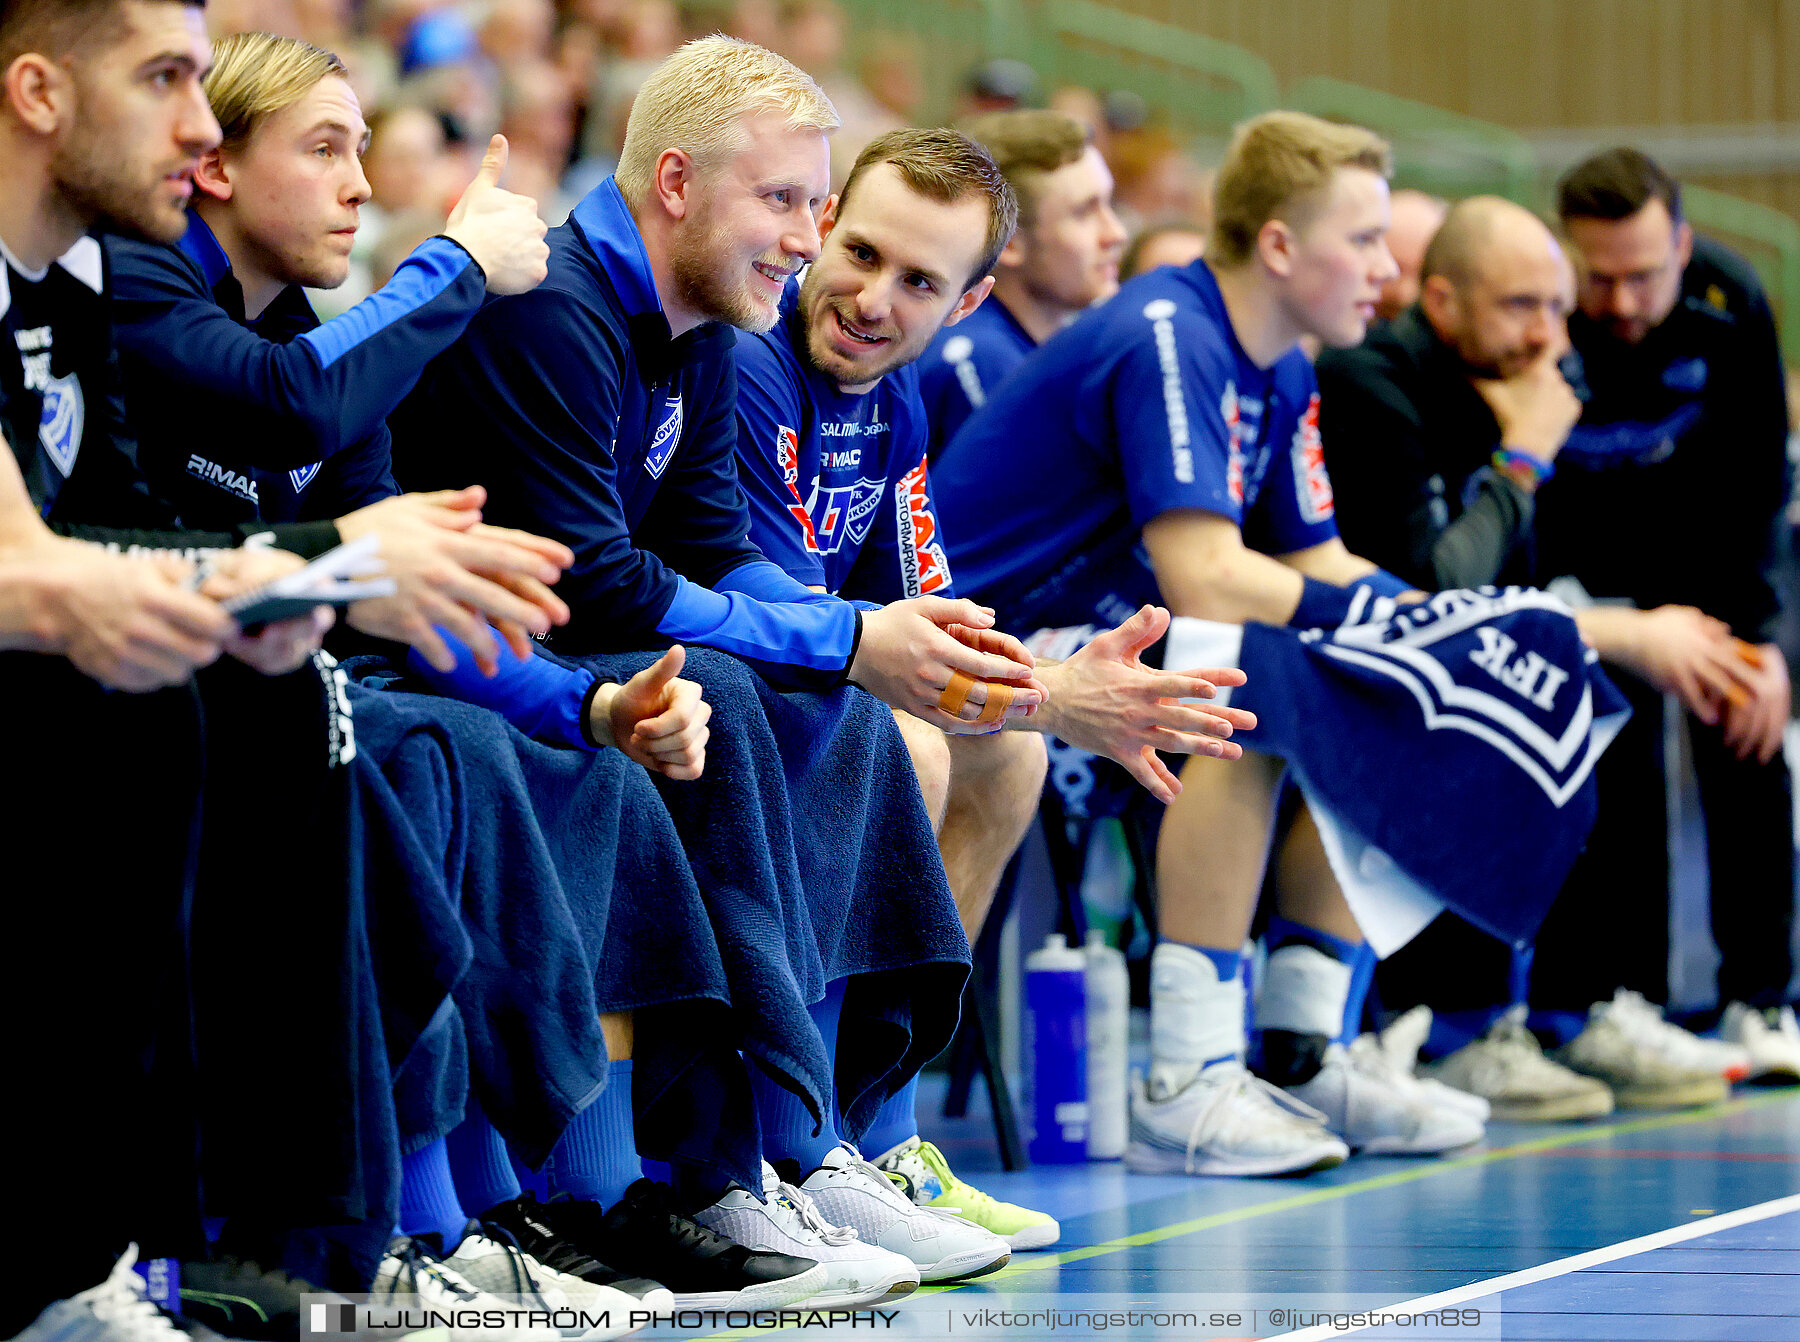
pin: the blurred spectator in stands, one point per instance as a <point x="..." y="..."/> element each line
<point x="327" y="24"/>
<point x="537" y="116"/>
<point x="1156" y="180"/>
<point x="1000" y="85"/>
<point x="516" y="33"/>
<point x="812" y="38"/>
<point x="890" y="72"/>
<point x="757" y="21"/>
<point x="1162" y="245"/>
<point x="224" y="17"/>
<point x="1416" y="216"/>
<point x="1670" y="491"/>
<point x="407" y="165"/>
<point x="638" y="36"/>
<point x="1086" y="106"/>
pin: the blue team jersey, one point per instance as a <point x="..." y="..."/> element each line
<point x="1144" y="405"/>
<point x="836" y="482"/>
<point x="966" y="364"/>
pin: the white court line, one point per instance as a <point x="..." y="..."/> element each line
<point x="1475" y="1290"/>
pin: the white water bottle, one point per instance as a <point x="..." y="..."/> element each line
<point x="1108" y="1043"/>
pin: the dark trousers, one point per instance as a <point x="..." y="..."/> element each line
<point x="1609" y="928"/>
<point x="101" y="842"/>
<point x="118" y="806"/>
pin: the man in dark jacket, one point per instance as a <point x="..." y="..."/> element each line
<point x="1687" y="391"/>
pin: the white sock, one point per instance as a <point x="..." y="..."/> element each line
<point x="1194" y="1018"/>
<point x="1303" y="990"/>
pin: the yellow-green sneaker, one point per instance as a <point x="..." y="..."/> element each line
<point x="920" y="1171"/>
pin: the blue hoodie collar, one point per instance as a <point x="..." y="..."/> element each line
<point x="200" y="244"/>
<point x="607" y="224"/>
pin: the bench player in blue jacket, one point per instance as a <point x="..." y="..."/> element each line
<point x="1165" y="448"/>
<point x="1063" y="259"/>
<point x="831" y="452"/>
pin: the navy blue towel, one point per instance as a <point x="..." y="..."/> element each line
<point x="816" y="860"/>
<point x="577" y="896"/>
<point x="1447" y="748"/>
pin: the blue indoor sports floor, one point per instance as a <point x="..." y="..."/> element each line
<point x="1473" y="1246"/>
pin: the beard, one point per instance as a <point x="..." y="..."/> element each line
<point x="816" y="311"/>
<point x="700" y="268"/>
<point x="102" y="183"/>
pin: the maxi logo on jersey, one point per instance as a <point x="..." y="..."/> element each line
<point x="787" y="456"/>
<point x="1316" y="502"/>
<point x="923" y="567"/>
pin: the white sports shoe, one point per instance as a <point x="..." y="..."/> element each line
<point x="1771" y="1038"/>
<point x="1381" y="1111"/>
<point x="503" y="1269"/>
<point x="1226" y="1121"/>
<point x="849" y="1191"/>
<point x="410" y="1268"/>
<point x="1399" y="1046"/>
<point x="114" y="1311"/>
<point x="1644" y="1022"/>
<point x="1507" y="1068"/>
<point x="1617" y="1047"/>
<point x="789" y="1222"/>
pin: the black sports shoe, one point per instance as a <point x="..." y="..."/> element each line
<point x="1290" y="1058"/>
<point x="241" y="1298"/>
<point x="528" y="1222"/>
<point x="645" y="1233"/>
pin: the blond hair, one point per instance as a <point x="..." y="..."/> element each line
<point x="695" y="102"/>
<point x="945" y="166"/>
<point x="1028" y="146"/>
<point x="1279" y="166"/>
<point x="256" y="75"/>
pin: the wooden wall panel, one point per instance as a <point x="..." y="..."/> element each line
<point x="1531" y="63"/>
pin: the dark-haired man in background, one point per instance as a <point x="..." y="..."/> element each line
<point x="1669" y="491"/>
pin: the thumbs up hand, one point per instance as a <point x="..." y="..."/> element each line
<point x="656" y="718"/>
<point x="500" y="230"/>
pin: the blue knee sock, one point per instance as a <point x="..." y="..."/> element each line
<point x="534" y="1182"/>
<point x="1362" y="974"/>
<point x="428" y="1201"/>
<point x="597" y="1158"/>
<point x="786" y="1126"/>
<point x="895" y="1121"/>
<point x="1228" y="963"/>
<point x="480" y="1164"/>
<point x="1281" y="931"/>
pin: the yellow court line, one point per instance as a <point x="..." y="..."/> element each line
<point x="1314" y="1196"/>
<point x="1038" y="1262"/>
